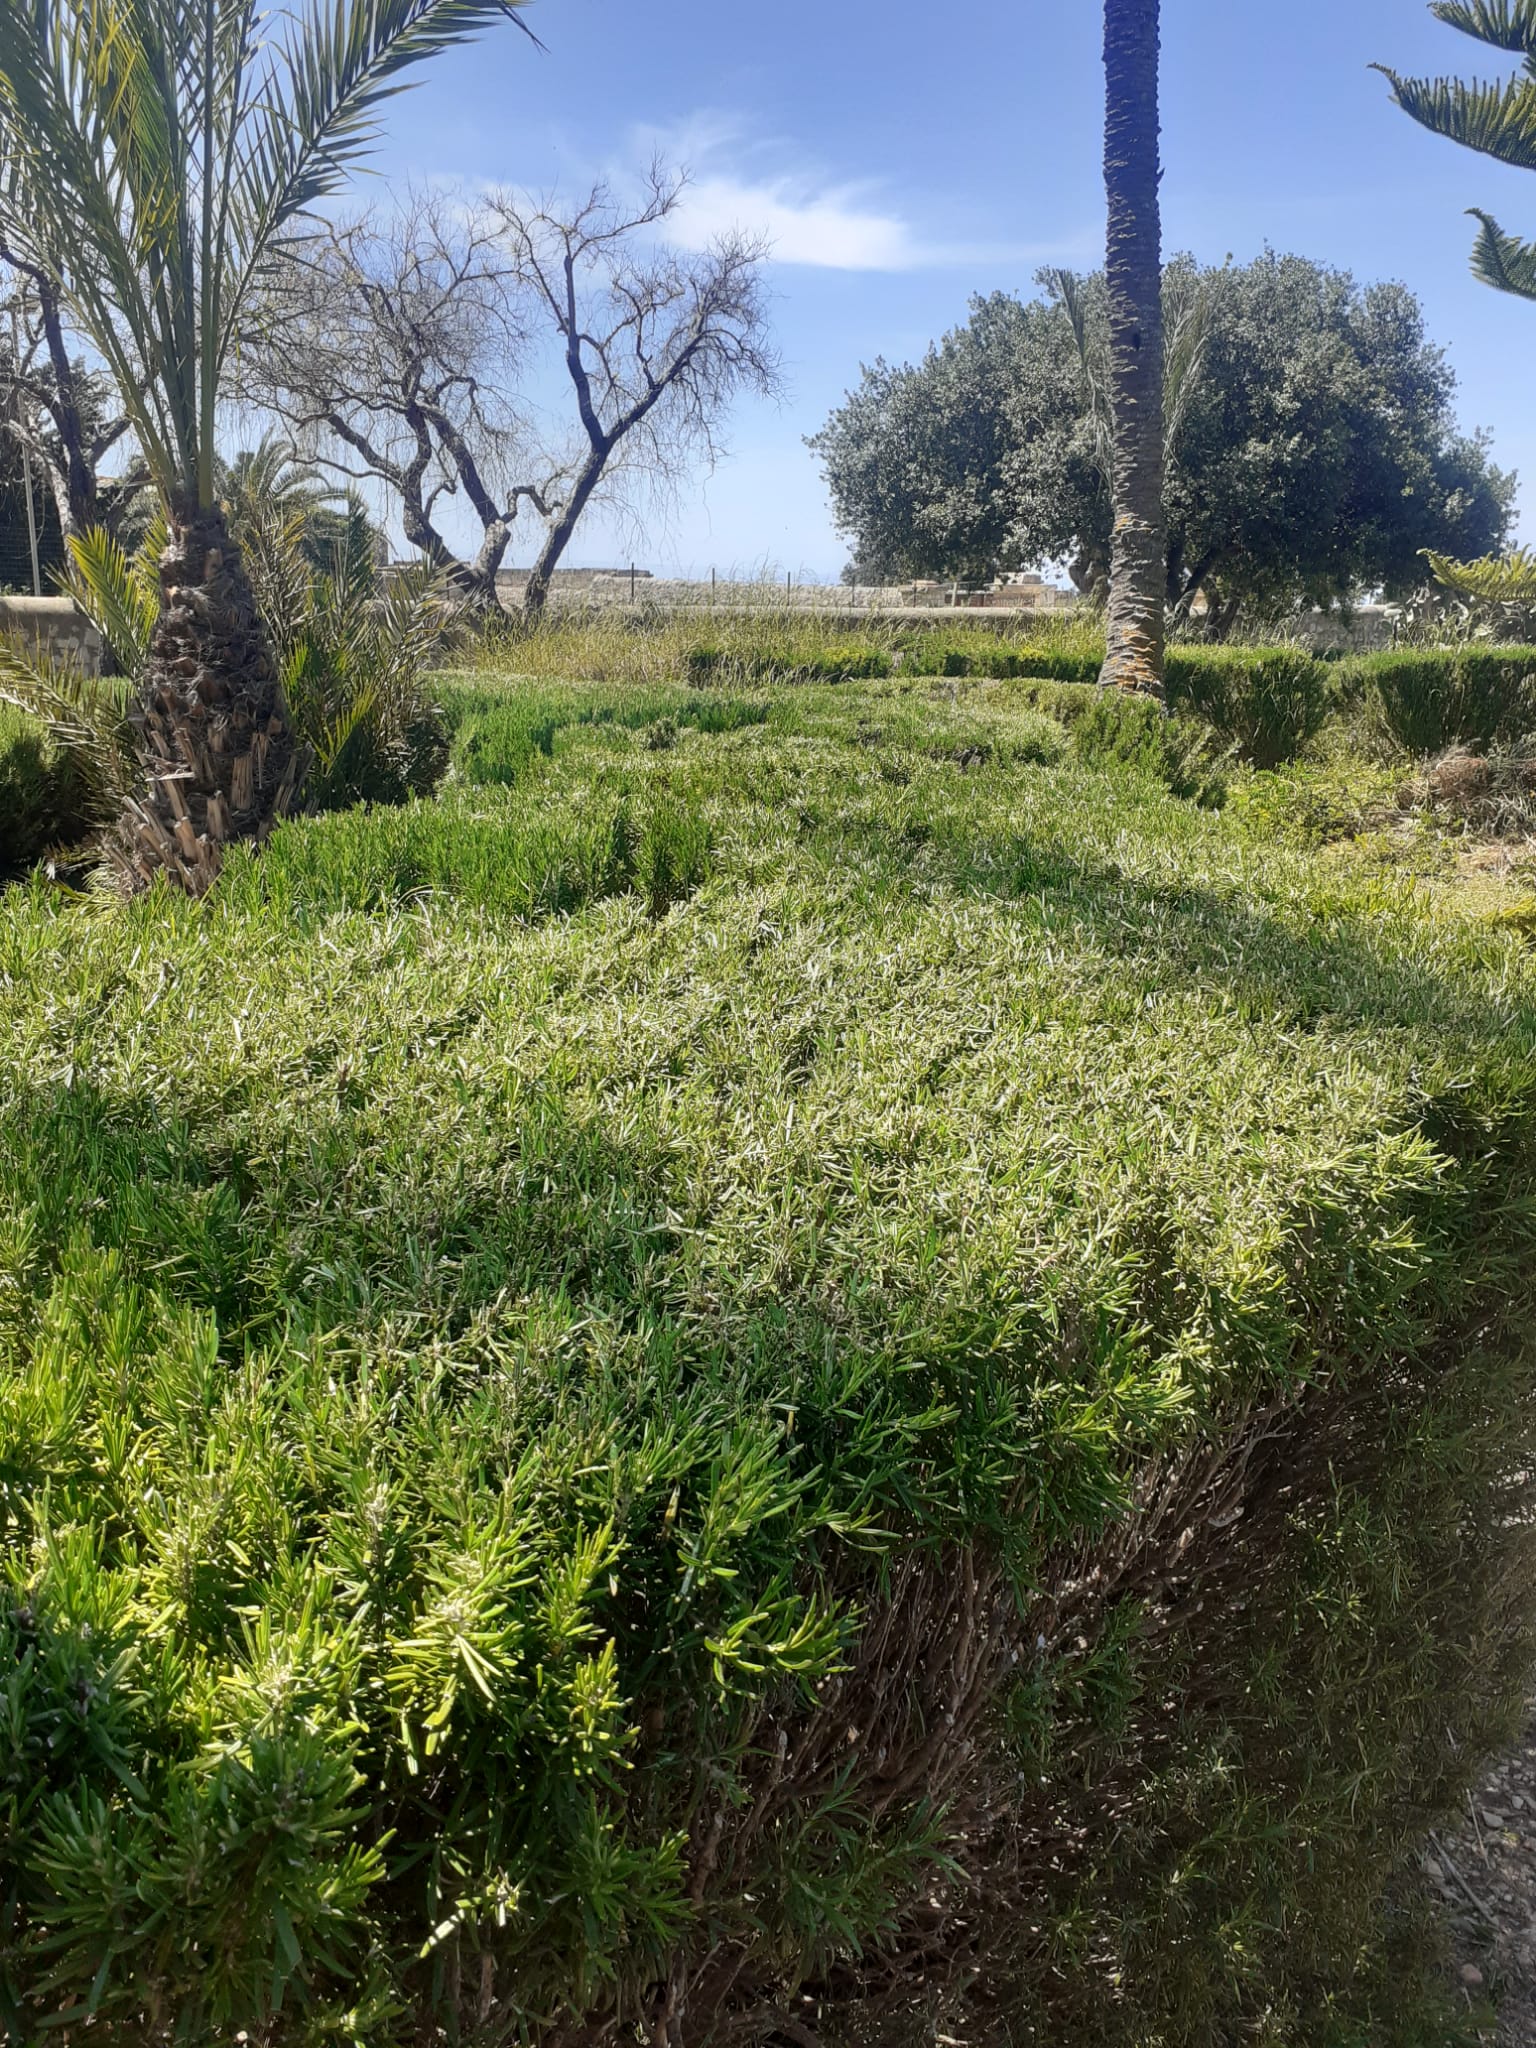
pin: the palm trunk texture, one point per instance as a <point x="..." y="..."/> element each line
<point x="1138" y="583"/>
<point x="221" y="759"/>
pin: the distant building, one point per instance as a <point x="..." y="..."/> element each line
<point x="1026" y="590"/>
<point x="516" y="580"/>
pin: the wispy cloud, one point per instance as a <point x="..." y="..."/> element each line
<point x="833" y="228"/>
<point x="806" y="217"/>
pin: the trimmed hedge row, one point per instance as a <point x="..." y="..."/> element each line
<point x="1433" y="698"/>
<point x="40" y="799"/>
<point x="1267" y="702"/>
<point x="931" y="1441"/>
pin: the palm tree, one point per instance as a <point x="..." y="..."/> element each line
<point x="1499" y="119"/>
<point x="1138" y="582"/>
<point x="154" y="156"/>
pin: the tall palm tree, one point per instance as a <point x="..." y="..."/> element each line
<point x="1138" y="582"/>
<point x="1499" y="119"/>
<point x="154" y="155"/>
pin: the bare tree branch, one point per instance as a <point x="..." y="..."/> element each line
<point x="412" y="344"/>
<point x="68" y="417"/>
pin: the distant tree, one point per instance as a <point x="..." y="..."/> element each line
<point x="1311" y="439"/>
<point x="424" y="350"/>
<point x="1136" y="623"/>
<point x="68" y="415"/>
<point x="920" y="460"/>
<point x="269" y="488"/>
<point x="1497" y="118"/>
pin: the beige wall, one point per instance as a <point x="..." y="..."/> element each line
<point x="55" y="625"/>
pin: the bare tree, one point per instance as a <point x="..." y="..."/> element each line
<point x="415" y="349"/>
<point x="655" y="342"/>
<point x="66" y="415"/>
<point x="390" y="344"/>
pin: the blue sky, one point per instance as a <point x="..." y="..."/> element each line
<point x="904" y="157"/>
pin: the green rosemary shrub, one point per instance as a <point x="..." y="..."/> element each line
<point x="1267" y="701"/>
<point x="899" y="1404"/>
<point x="1427" y="699"/>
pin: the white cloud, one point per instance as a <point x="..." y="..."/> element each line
<point x="831" y="229"/>
<point x="807" y="218"/>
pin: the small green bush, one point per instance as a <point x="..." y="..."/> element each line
<point x="507" y="861"/>
<point x="495" y="740"/>
<point x="1268" y="701"/>
<point x="41" y="803"/>
<point x="1112" y="728"/>
<point x="1433" y="698"/>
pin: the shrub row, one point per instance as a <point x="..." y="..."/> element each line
<point x="1433" y="698"/>
<point x="1267" y="702"/>
<point x="506" y="860"/>
<point x="41" y="803"/>
<point x="933" y="1444"/>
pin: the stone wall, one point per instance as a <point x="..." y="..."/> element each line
<point x="54" y="624"/>
<point x="1366" y="630"/>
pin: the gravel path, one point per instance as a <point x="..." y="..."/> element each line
<point x="1485" y="1871"/>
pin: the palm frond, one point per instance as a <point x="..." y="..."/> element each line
<point x="1187" y="334"/>
<point x="272" y="547"/>
<point x="1497" y="118"/>
<point x="1505" y="24"/>
<point x="1093" y="362"/>
<point x="1503" y="261"/>
<point x="86" y="719"/>
<point x="1507" y="579"/>
<point x="113" y="592"/>
<point x="339" y="65"/>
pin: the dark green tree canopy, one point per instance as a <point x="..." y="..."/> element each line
<point x="1313" y="445"/>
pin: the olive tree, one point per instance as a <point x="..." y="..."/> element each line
<point x="1311" y="441"/>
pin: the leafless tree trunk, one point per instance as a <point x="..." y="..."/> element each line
<point x="66" y="415"/>
<point x="407" y="350"/>
<point x="1137" y="625"/>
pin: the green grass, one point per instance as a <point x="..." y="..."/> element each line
<point x="790" y="644"/>
<point x="568" y="1354"/>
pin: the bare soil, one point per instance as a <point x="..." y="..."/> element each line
<point x="1484" y="1870"/>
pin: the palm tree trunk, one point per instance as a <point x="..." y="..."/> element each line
<point x="222" y="759"/>
<point x="1138" y="583"/>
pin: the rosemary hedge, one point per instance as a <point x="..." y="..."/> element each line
<point x="1427" y="699"/>
<point x="41" y="806"/>
<point x="916" y="1433"/>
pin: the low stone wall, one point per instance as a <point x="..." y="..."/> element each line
<point x="54" y="624"/>
<point x="1366" y="630"/>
